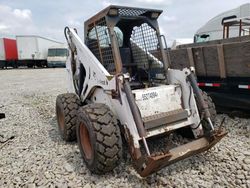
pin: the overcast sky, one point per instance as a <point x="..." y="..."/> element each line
<point x="180" y="19"/>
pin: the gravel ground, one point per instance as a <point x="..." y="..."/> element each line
<point x="37" y="157"/>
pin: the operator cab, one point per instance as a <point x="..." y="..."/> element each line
<point x="127" y="40"/>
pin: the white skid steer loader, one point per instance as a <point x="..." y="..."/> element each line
<point x="123" y="91"/>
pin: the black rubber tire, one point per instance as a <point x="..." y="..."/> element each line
<point x="186" y="131"/>
<point x="66" y="112"/>
<point x="211" y="105"/>
<point x="30" y="65"/>
<point x="99" y="138"/>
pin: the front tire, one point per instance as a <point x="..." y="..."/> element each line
<point x="99" y="138"/>
<point x="66" y="112"/>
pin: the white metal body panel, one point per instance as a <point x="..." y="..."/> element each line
<point x="33" y="47"/>
<point x="97" y="75"/>
<point x="156" y="100"/>
<point x="179" y="77"/>
<point x="2" y="50"/>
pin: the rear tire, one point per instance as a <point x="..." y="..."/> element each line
<point x="99" y="138"/>
<point x="211" y="106"/>
<point x="187" y="131"/>
<point x="66" y="112"/>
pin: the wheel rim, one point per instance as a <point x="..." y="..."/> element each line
<point x="85" y="141"/>
<point x="60" y="119"/>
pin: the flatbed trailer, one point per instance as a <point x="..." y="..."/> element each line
<point x="222" y="68"/>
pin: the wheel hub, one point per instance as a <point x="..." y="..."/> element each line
<point x="60" y="119"/>
<point x="85" y="141"/>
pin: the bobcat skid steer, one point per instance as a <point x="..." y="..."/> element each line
<point x="123" y="93"/>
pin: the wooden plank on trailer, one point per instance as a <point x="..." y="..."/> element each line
<point x="200" y="67"/>
<point x="190" y="57"/>
<point x="237" y="59"/>
<point x="221" y="59"/>
<point x="211" y="61"/>
<point x="230" y="60"/>
<point x="215" y="42"/>
<point x="179" y="59"/>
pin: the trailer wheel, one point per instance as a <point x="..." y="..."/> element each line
<point x="99" y="138"/>
<point x="66" y="112"/>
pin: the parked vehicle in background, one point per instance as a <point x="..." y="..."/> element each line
<point x="57" y="56"/>
<point x="8" y="52"/>
<point x="222" y="66"/>
<point x="181" y="41"/>
<point x="33" y="50"/>
<point x="213" y="29"/>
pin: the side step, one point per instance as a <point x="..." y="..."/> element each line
<point x="157" y="120"/>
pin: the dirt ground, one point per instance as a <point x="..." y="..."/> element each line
<point x="32" y="154"/>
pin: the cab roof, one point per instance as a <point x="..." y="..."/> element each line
<point x="123" y="11"/>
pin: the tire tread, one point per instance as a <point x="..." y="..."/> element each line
<point x="107" y="134"/>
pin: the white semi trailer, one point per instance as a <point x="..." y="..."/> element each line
<point x="213" y="29"/>
<point x="33" y="50"/>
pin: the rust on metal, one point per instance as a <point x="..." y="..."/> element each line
<point x="115" y="51"/>
<point x="134" y="109"/>
<point x="61" y="118"/>
<point x="123" y="10"/>
<point x="190" y="57"/>
<point x="221" y="58"/>
<point x="85" y="141"/>
<point x="135" y="152"/>
<point x="110" y="56"/>
<point x="152" y="164"/>
<point x="116" y="94"/>
<point x="98" y="43"/>
<point x="240" y="28"/>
